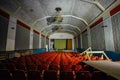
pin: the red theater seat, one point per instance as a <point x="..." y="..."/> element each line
<point x="32" y="67"/>
<point x="11" y="67"/>
<point x="5" y="75"/>
<point x="19" y="75"/>
<point x="83" y="75"/>
<point x="3" y="66"/>
<point x="67" y="75"/>
<point x="21" y="67"/>
<point x="54" y="67"/>
<point x="34" y="75"/>
<point x="98" y="75"/>
<point x="50" y="75"/>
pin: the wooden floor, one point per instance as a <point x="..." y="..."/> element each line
<point x="109" y="67"/>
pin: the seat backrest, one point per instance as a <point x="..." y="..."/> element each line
<point x="5" y="74"/>
<point x="21" y="67"/>
<point x="34" y="75"/>
<point x="11" y="67"/>
<point x="43" y="67"/>
<point x="65" y="68"/>
<point x="50" y="74"/>
<point x="3" y="66"/>
<point x="66" y="75"/>
<point x="54" y="67"/>
<point x="83" y="75"/>
<point x="98" y="75"/>
<point x="32" y="67"/>
<point x="19" y="75"/>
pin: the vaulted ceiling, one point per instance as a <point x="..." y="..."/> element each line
<point x="77" y="14"/>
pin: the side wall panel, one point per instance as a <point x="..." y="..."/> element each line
<point x="3" y="33"/>
<point x="116" y="31"/>
<point x="79" y="42"/>
<point x="35" y="40"/>
<point x="85" y="40"/>
<point x="22" y="38"/>
<point x="97" y="37"/>
<point x="109" y="43"/>
<point x="42" y="42"/>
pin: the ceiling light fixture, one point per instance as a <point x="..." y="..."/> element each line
<point x="56" y="17"/>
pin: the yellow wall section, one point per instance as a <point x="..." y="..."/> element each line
<point x="69" y="44"/>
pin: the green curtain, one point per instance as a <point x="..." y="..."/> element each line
<point x="60" y="44"/>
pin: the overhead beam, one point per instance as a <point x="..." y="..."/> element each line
<point x="60" y="24"/>
<point x="81" y="19"/>
<point x="61" y="30"/>
<point x="99" y="5"/>
<point x="95" y="3"/>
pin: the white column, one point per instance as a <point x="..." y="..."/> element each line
<point x="89" y="37"/>
<point x="49" y="43"/>
<point x="81" y="41"/>
<point x="73" y="45"/>
<point x="45" y="41"/>
<point x="40" y="40"/>
<point x="10" y="44"/>
<point x="31" y="39"/>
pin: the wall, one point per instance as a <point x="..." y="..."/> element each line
<point x="116" y="31"/>
<point x="97" y="37"/>
<point x="60" y="36"/>
<point x="10" y="44"/>
<point x="4" y="20"/>
<point x="15" y="35"/>
<point x="109" y="43"/>
<point x="22" y="36"/>
<point x="104" y="34"/>
<point x="35" y="39"/>
<point x="43" y="41"/>
<point x="79" y="42"/>
<point x="85" y="40"/>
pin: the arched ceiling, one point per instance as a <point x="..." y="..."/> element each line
<point x="77" y="14"/>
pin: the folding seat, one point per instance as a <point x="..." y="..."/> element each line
<point x="11" y="67"/>
<point x="5" y="74"/>
<point x="65" y="68"/>
<point x="98" y="75"/>
<point x="67" y="75"/>
<point x="3" y="66"/>
<point x="43" y="67"/>
<point x="14" y="60"/>
<point x="19" y="75"/>
<point x="21" y="67"/>
<point x="76" y="68"/>
<point x="35" y="75"/>
<point x="83" y="75"/>
<point x="88" y="68"/>
<point x="21" y="60"/>
<point x="32" y="67"/>
<point x="54" y="67"/>
<point x="50" y="75"/>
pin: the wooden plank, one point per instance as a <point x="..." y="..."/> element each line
<point x="109" y="67"/>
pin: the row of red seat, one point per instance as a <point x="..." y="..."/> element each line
<point x="48" y="59"/>
<point x="53" y="75"/>
<point x="62" y="65"/>
<point x="64" y="61"/>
